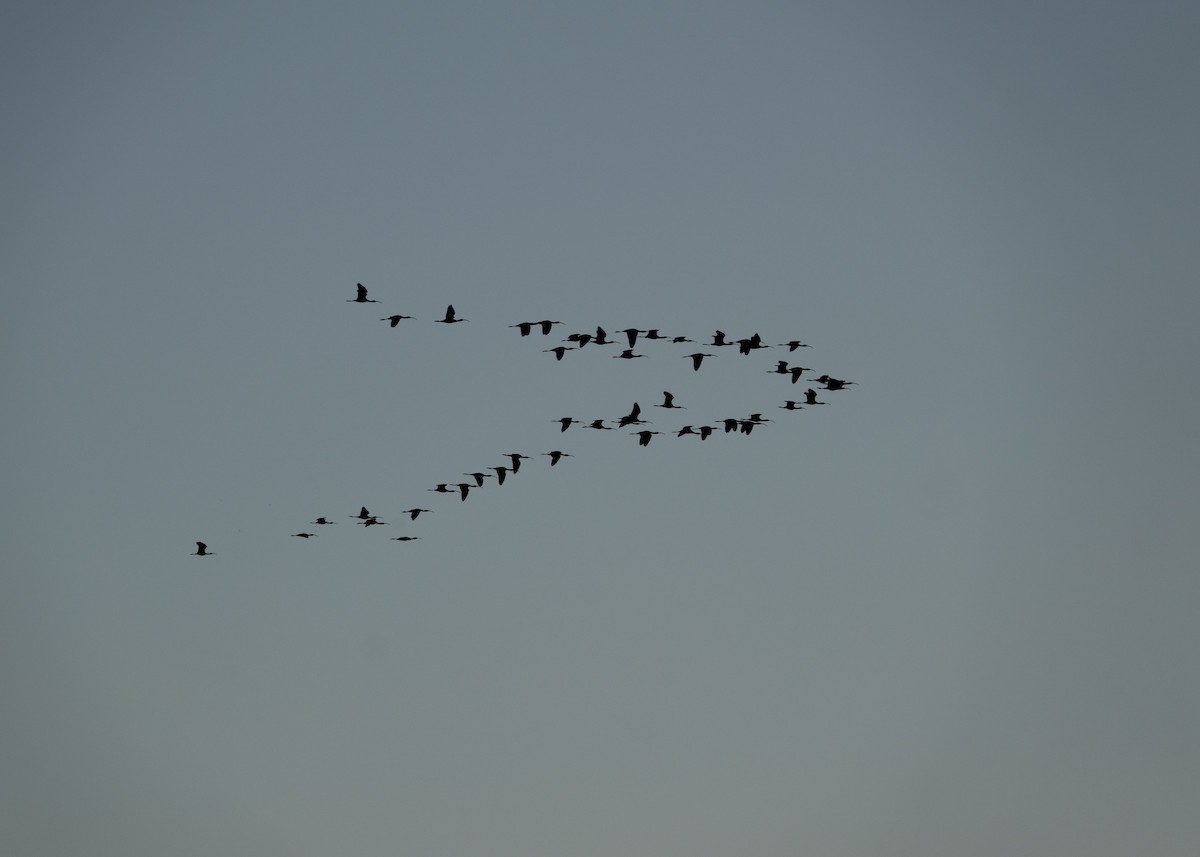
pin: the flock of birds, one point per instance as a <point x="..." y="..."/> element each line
<point x="577" y="342"/>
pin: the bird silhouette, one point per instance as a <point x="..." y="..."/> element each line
<point x="463" y="489"/>
<point x="681" y="339"/>
<point x="202" y="550"/>
<point x="627" y="354"/>
<point x="832" y="383"/>
<point x="567" y="422"/>
<point x="705" y="431"/>
<point x="730" y="425"/>
<point x="796" y="372"/>
<point x="373" y="521"/>
<point x="546" y="324"/>
<point x="685" y="430"/>
<point x="810" y="397"/>
<point x="501" y="472"/>
<point x="601" y="337"/>
<point x="790" y="405"/>
<point x="404" y="538"/>
<point x="556" y="455"/>
<point x="697" y="359"/>
<point x="362" y="297"/>
<point x="363" y="514"/>
<point x="323" y="522"/>
<point x="557" y="351"/>
<point x="524" y="327"/>
<point x="516" y="460"/>
<point x="644" y="436"/>
<point x="581" y="338"/>
<point x="479" y="477"/>
<point x="631" y="333"/>
<point x="719" y="339"/>
<point x="450" y="317"/>
<point x="598" y="424"/>
<point x="442" y="488"/>
<point x="653" y="333"/>
<point x="413" y="514"/>
<point x="305" y="535"/>
<point x="631" y="418"/>
<point x="781" y="368"/>
<point x="669" y="402"/>
<point x="793" y="344"/>
<point x="395" y="319"/>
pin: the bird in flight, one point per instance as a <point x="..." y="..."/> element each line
<point x="362" y="297"/>
<point x="414" y="513"/>
<point x="404" y="538"/>
<point x="793" y="344"/>
<point x="790" y="405"/>
<point x="305" y="535"/>
<point x="516" y="460"/>
<point x="322" y="521"/>
<point x="669" y="402"/>
<point x="556" y="455"/>
<point x="202" y="550"/>
<point x="362" y="515"/>
<point x="451" y="317"/>
<point x="697" y="359"/>
<point x="557" y="351"/>
<point x="627" y="354"/>
<point x="644" y="436"/>
<point x="501" y="472"/>
<point x="810" y="397"/>
<point x="395" y="319"/>
<point x="463" y="489"/>
<point x="567" y="422"/>
<point x="479" y="477"/>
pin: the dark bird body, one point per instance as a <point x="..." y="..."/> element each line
<point x="451" y="317"/>
<point x="697" y="359"/>
<point x="362" y="297"/>
<point x="202" y="550"/>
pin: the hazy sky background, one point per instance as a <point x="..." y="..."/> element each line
<point x="952" y="613"/>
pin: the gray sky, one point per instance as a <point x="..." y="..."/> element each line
<point x="954" y="612"/>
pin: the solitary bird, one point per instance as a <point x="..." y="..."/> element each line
<point x="793" y="344"/>
<point x="697" y="359"/>
<point x="414" y="513"/>
<point x="516" y="460"/>
<point x="556" y="455"/>
<point x="747" y="426"/>
<point x="363" y="514"/>
<point x="653" y="333"/>
<point x="669" y="402"/>
<point x="557" y="351"/>
<point x="404" y="538"/>
<point x="781" y="368"/>
<point x="790" y="405"/>
<point x="442" y="488"/>
<point x="810" y="397"/>
<point x="796" y="372"/>
<point x="524" y="327"/>
<point x="627" y="354"/>
<point x="479" y="477"/>
<point x="719" y="338"/>
<point x="450" y="318"/>
<point x="685" y="430"/>
<point x="567" y="422"/>
<point x="598" y="424"/>
<point x="305" y="535"/>
<point x="705" y="431"/>
<point x="373" y="521"/>
<point x="362" y="297"/>
<point x="758" y="418"/>
<point x="601" y="337"/>
<point x="463" y="488"/>
<point x="546" y="324"/>
<point x="644" y="436"/>
<point x="202" y="550"/>
<point x="322" y="521"/>
<point x="395" y="319"/>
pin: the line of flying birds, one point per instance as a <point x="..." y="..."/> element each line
<point x="727" y="425"/>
